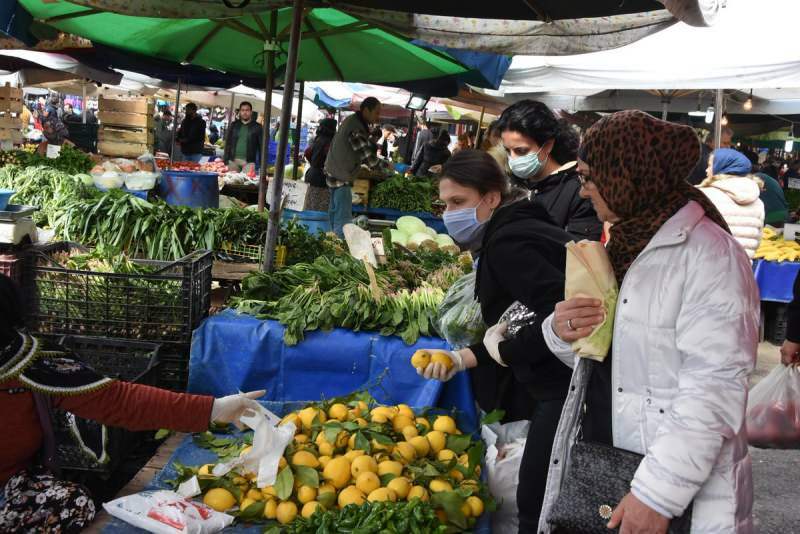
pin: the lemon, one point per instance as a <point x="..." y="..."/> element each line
<point x="305" y="458"/>
<point x="380" y="447"/>
<point x="368" y="482"/>
<point x="405" y="452"/>
<point x="475" y="505"/>
<point x="325" y="488"/>
<point x="445" y="423"/>
<point x="294" y="419"/>
<point x="206" y="470"/>
<point x="418" y="492"/>
<point x="390" y="467"/>
<point x="219" y="499"/>
<point x="456" y="475"/>
<point x="389" y="412"/>
<point x="382" y="495"/>
<point x="286" y="512"/>
<point x="307" y="416"/>
<point x="380" y="418"/>
<point x="466" y="510"/>
<point x="352" y="455"/>
<point x="402" y="421"/>
<point x="405" y="409"/>
<point x="251" y="476"/>
<point x="363" y="464"/>
<point x="240" y="481"/>
<point x="306" y="494"/>
<point x="337" y="472"/>
<point x="325" y="449"/>
<point x="323" y="461"/>
<point x="245" y="503"/>
<point x="437" y="484"/>
<point x="282" y="462"/>
<point x="362" y="407"/>
<point x="255" y="495"/>
<point x="309" y="508"/>
<point x="269" y="492"/>
<point x="421" y="445"/>
<point x="361" y="422"/>
<point x="445" y="455"/>
<point x="420" y="359"/>
<point x="270" y="509"/>
<point x="350" y="495"/>
<point x="410" y="432"/>
<point x="245" y="450"/>
<point x="471" y="485"/>
<point x="442" y="358"/>
<point x="437" y="440"/>
<point x="401" y="486"/>
<point x="463" y="460"/>
<point x="338" y="411"/>
<point x="424" y="422"/>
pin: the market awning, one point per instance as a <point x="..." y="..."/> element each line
<point x="30" y="67"/>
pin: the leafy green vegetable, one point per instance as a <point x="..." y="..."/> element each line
<point x="405" y="194"/>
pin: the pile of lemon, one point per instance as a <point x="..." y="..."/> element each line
<point x="383" y="454"/>
<point x="774" y="248"/>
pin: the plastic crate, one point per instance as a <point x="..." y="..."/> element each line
<point x="163" y="306"/>
<point x="250" y="254"/>
<point x="131" y="361"/>
<point x="776" y="315"/>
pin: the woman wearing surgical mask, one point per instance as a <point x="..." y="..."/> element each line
<point x="542" y="153"/>
<point x="522" y="260"/>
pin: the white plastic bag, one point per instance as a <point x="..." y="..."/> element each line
<point x="505" y="445"/>
<point x="141" y="180"/>
<point x="773" y="410"/>
<point x="460" y="320"/>
<point x="166" y="512"/>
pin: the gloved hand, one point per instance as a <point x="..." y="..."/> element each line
<point x="439" y="371"/>
<point x="229" y="409"/>
<point x="492" y="339"/>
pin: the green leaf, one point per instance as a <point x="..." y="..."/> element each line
<point x="476" y="454"/>
<point x="284" y="483"/>
<point x="458" y="444"/>
<point x="362" y="443"/>
<point x="273" y="530"/>
<point x="451" y="502"/>
<point x="327" y="499"/>
<point x="308" y="476"/>
<point x="253" y="513"/>
<point x="495" y="416"/>
<point x="350" y="426"/>
<point x="383" y="439"/>
<point x="388" y="477"/>
<point x="332" y="432"/>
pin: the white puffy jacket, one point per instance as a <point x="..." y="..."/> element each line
<point x="684" y="344"/>
<point x="737" y="199"/>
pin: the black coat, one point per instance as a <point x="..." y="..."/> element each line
<point x="431" y="154"/>
<point x="316" y="155"/>
<point x="522" y="259"/>
<point x="254" y="133"/>
<point x="192" y="135"/>
<point x="793" y="314"/>
<point x="558" y="194"/>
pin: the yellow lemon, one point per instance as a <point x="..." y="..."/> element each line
<point x="306" y="494"/>
<point x="368" y="482"/>
<point x="402" y="421"/>
<point x="379" y="418"/>
<point x="341" y="440"/>
<point x="307" y="416"/>
<point x="245" y="503"/>
<point x="337" y="472"/>
<point x="380" y="447"/>
<point x="437" y="484"/>
<point x="456" y="475"/>
<point x="269" y="492"/>
<point x="294" y="419"/>
<point x="352" y="455"/>
<point x="325" y="488"/>
<point x="362" y="407"/>
<point x="323" y="461"/>
<point x="410" y="432"/>
<point x="390" y="467"/>
<point x="219" y="499"/>
<point x="471" y="485"/>
<point x="206" y="470"/>
<point x="389" y="412"/>
<point x="305" y="458"/>
<point x="286" y="512"/>
<point x="255" y="494"/>
<point x="445" y="423"/>
<point x="282" y="462"/>
<point x="361" y="422"/>
<point x="338" y="411"/>
<point x="463" y="460"/>
<point x="270" y="509"/>
<point x="437" y="440"/>
<point x="363" y="464"/>
<point x="381" y="495"/>
<point x="466" y="510"/>
<point x="420" y="359"/>
<point x="418" y="492"/>
<point x="475" y="505"/>
<point x="421" y="445"/>
<point x="325" y="449"/>
<point x="442" y="358"/>
<point x="245" y="450"/>
<point x="309" y="508"/>
<point x="350" y="495"/>
<point x="424" y="422"/>
<point x="405" y="452"/>
<point x="405" y="409"/>
<point x="445" y="455"/>
<point x="401" y="486"/>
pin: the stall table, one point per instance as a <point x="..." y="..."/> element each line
<point x="776" y="280"/>
<point x="392" y="215"/>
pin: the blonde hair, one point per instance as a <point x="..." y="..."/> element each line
<point x="717" y="177"/>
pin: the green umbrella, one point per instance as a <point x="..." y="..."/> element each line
<point x="334" y="46"/>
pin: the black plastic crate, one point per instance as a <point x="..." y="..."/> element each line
<point x="173" y="372"/>
<point x="775" y="319"/>
<point x="131" y="361"/>
<point x="163" y="306"/>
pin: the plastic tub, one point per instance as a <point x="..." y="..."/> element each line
<point x="315" y="221"/>
<point x="187" y="188"/>
<point x="5" y="196"/>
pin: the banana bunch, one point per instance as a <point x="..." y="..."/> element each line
<point x="774" y="248"/>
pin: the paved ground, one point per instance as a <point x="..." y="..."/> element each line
<point x="776" y="473"/>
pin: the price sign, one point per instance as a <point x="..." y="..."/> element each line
<point x="794" y="183"/>
<point x="294" y="191"/>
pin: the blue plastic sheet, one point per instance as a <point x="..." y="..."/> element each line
<point x="392" y="215"/>
<point x="776" y="280"/>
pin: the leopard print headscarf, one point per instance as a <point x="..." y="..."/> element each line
<point x="640" y="165"/>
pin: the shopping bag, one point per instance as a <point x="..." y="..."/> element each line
<point x="460" y="321"/>
<point x="773" y="410"/>
<point x="505" y="445"/>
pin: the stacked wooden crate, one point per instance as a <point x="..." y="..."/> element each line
<point x="126" y="126"/>
<point x="11" y="114"/>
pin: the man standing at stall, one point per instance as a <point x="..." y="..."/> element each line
<point x="243" y="142"/>
<point x="351" y="148"/>
<point x="192" y="134"/>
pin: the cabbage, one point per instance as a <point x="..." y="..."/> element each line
<point x="85" y="179"/>
<point x="410" y="225"/>
<point x="399" y="237"/>
<point x="421" y="240"/>
<point x="430" y="231"/>
<point x="447" y="244"/>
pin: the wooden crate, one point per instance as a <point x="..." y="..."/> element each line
<point x="126" y="105"/>
<point x="361" y="190"/>
<point x="132" y="120"/>
<point x="10" y="99"/>
<point x="126" y="126"/>
<point x="125" y="150"/>
<point x="125" y="135"/>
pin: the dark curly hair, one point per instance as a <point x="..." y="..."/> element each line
<point x="537" y="121"/>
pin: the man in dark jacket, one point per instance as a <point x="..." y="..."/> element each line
<point x="243" y="142"/>
<point x="433" y="154"/>
<point x="790" y="351"/>
<point x="192" y="134"/>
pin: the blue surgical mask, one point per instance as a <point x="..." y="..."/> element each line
<point x="526" y="166"/>
<point x="464" y="227"/>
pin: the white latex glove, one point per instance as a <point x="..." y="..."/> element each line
<point x="438" y="371"/>
<point x="229" y="409"/>
<point x="492" y="339"/>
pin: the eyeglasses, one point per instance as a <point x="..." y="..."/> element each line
<point x="583" y="180"/>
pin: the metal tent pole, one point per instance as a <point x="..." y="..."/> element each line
<point x="262" y="171"/>
<point x="83" y="105"/>
<point x="479" y="135"/>
<point x="719" y="103"/>
<point x="298" y="130"/>
<point x="664" y="109"/>
<point x="286" y="117"/>
<point x="230" y="115"/>
<point x="175" y="122"/>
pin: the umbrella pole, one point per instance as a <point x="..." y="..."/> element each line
<point x="175" y="122"/>
<point x="298" y="130"/>
<point x="262" y="171"/>
<point x="664" y="109"/>
<point x="479" y="136"/>
<point x="83" y="104"/>
<point x="286" y="117"/>
<point x="230" y="114"/>
<point x="718" y="105"/>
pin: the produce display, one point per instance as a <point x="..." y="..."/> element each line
<point x="413" y="234"/>
<point x="211" y="166"/>
<point x="354" y="466"/>
<point x="774" y="248"/>
<point x="404" y="194"/>
<point x="45" y="187"/>
<point x="70" y="160"/>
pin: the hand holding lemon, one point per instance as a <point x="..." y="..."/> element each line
<point x="440" y="364"/>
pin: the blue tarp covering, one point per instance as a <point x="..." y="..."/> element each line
<point x="324" y="100"/>
<point x="392" y="215"/>
<point x="776" y="280"/>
